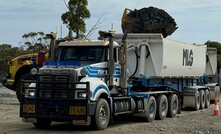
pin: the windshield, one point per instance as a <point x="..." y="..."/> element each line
<point x="96" y="54"/>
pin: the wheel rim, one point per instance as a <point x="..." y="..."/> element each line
<point x="163" y="108"/>
<point x="174" y="105"/>
<point x="197" y="101"/>
<point x="207" y="98"/>
<point x="102" y="115"/>
<point x="151" y="109"/>
<point x="202" y="99"/>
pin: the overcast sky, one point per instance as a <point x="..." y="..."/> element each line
<point x="198" y="20"/>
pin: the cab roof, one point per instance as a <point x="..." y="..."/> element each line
<point x="87" y="43"/>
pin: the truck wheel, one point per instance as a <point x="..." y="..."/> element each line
<point x="173" y="105"/>
<point x="151" y="109"/>
<point x="217" y="93"/>
<point x="162" y="107"/>
<point x="207" y="97"/>
<point x="102" y="114"/>
<point x="197" y="100"/>
<point x="42" y="123"/>
<point x="202" y="99"/>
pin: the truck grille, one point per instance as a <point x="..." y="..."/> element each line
<point x="55" y="86"/>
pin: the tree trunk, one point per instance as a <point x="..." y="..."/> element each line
<point x="70" y="34"/>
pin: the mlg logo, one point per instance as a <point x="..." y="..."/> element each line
<point x="187" y="57"/>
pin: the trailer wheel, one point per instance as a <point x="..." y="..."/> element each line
<point x="217" y="93"/>
<point x="173" y="105"/>
<point x="202" y="99"/>
<point x="207" y="97"/>
<point x="197" y="100"/>
<point x="42" y="123"/>
<point x="151" y="109"/>
<point x="162" y="107"/>
<point x="102" y="114"/>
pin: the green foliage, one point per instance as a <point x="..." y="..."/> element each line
<point x="36" y="40"/>
<point x="75" y="17"/>
<point x="7" y="52"/>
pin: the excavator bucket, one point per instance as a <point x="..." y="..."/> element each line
<point x="127" y="22"/>
<point x="148" y="20"/>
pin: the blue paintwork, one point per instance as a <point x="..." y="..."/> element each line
<point x="93" y="71"/>
<point x="98" y="88"/>
<point x="62" y="63"/>
<point x="174" y="84"/>
<point x="145" y="95"/>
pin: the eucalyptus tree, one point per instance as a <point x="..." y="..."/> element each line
<point x="75" y="17"/>
<point x="36" y="40"/>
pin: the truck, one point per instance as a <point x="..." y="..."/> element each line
<point x="137" y="74"/>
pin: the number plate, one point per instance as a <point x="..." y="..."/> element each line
<point x="28" y="108"/>
<point x="77" y="110"/>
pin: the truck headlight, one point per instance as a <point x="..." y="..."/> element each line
<point x="30" y="90"/>
<point x="30" y="93"/>
<point x="81" y="95"/>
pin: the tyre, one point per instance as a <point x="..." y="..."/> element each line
<point x="151" y="109"/>
<point x="162" y="107"/>
<point x="207" y="98"/>
<point x="217" y="93"/>
<point x="197" y="100"/>
<point x="102" y="114"/>
<point x="202" y="99"/>
<point x="42" y="123"/>
<point x="173" y="105"/>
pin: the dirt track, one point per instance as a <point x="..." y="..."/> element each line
<point x="189" y="122"/>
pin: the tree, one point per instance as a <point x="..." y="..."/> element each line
<point x="75" y="17"/>
<point x="7" y="52"/>
<point x="36" y="40"/>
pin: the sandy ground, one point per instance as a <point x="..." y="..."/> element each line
<point x="188" y="122"/>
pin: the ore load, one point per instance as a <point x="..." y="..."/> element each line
<point x="148" y="20"/>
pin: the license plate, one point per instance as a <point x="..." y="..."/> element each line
<point x="28" y="108"/>
<point x="77" y="110"/>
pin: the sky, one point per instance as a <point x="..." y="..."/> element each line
<point x="198" y="20"/>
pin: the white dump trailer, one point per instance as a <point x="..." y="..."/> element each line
<point x="161" y="58"/>
<point x="180" y="66"/>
